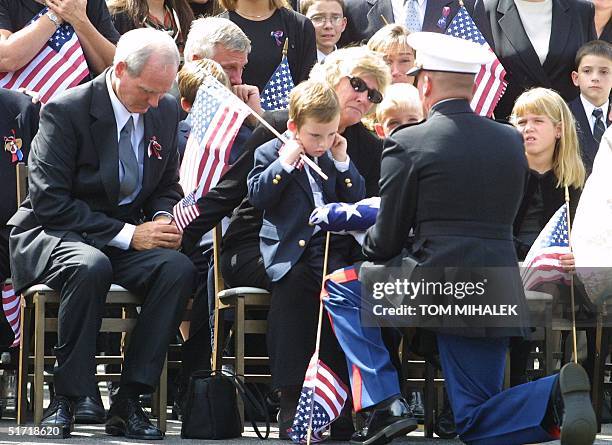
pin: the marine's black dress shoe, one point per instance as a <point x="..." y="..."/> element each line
<point x="126" y="418"/>
<point x="391" y="419"/>
<point x="415" y="402"/>
<point x="58" y="419"/>
<point x="89" y="410"/>
<point x="571" y="396"/>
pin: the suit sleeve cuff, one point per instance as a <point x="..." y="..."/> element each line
<point x="163" y="213"/>
<point x="287" y="167"/>
<point x="342" y="166"/>
<point x="124" y="238"/>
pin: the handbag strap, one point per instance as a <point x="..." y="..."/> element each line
<point x="253" y="404"/>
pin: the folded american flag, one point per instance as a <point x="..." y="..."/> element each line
<point x="542" y="263"/>
<point x="490" y="82"/>
<point x="341" y="217"/>
<point x="216" y="117"/>
<point x="59" y="65"/>
<point x="10" y="305"/>
<point x="322" y="399"/>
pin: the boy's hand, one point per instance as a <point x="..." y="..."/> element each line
<point x="291" y="151"/>
<point x="338" y="148"/>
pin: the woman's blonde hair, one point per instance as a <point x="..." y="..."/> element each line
<point x="356" y="61"/>
<point x="567" y="163"/>
<point x="390" y="37"/>
<point x="230" y="5"/>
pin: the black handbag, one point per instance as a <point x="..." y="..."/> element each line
<point x="211" y="408"/>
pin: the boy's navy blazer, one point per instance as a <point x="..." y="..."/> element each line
<point x="588" y="144"/>
<point x="287" y="201"/>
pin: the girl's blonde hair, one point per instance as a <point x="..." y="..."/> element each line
<point x="230" y="5"/>
<point x="567" y="163"/>
<point x="390" y="37"/>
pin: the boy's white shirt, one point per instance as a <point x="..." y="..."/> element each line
<point x="588" y="109"/>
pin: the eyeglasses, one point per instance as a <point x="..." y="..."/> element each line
<point x="359" y="85"/>
<point x="320" y="20"/>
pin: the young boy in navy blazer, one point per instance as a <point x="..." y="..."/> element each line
<point x="287" y="190"/>
<point x="591" y="109"/>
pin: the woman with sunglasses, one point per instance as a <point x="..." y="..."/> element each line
<point x="171" y="16"/>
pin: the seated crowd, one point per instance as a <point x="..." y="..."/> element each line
<point x="121" y="188"/>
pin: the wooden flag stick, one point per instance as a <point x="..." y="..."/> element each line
<point x="318" y="342"/>
<point x="572" y="302"/>
<point x="382" y="17"/>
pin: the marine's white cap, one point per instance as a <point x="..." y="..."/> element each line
<point x="441" y="52"/>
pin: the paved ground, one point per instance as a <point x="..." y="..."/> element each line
<point x="94" y="434"/>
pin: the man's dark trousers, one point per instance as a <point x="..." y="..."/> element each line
<point x="83" y="274"/>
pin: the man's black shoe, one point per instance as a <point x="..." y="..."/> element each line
<point x="126" y="418"/>
<point x="89" y="410"/>
<point x="58" y="419"/>
<point x="392" y="419"/>
<point x="415" y="402"/>
<point x="444" y="426"/>
<point x="578" y="425"/>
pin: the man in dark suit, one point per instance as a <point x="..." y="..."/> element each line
<point x="18" y="125"/>
<point x="365" y="17"/>
<point x="571" y="26"/>
<point x="103" y="182"/>
<point x="445" y="180"/>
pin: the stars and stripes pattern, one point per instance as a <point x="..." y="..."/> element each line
<point x="216" y="117"/>
<point x="341" y="217"/>
<point x="321" y="401"/>
<point x="490" y="82"/>
<point x="59" y="65"/>
<point x="185" y="211"/>
<point x="542" y="262"/>
<point x="11" y="307"/>
<point x="275" y="95"/>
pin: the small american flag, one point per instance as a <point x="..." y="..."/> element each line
<point x="186" y="211"/>
<point x="10" y="305"/>
<point x="542" y="262"/>
<point x="216" y="117"/>
<point x="323" y="396"/>
<point x="275" y="95"/>
<point x="59" y="65"/>
<point x="489" y="83"/>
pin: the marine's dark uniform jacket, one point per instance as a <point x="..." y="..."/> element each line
<point x="457" y="179"/>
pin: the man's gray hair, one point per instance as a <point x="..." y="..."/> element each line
<point x="135" y="47"/>
<point x="207" y="32"/>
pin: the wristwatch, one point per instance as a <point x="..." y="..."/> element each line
<point x="54" y="18"/>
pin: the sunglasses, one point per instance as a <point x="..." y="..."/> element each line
<point x="359" y="85"/>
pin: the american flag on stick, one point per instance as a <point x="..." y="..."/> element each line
<point x="489" y="83"/>
<point x="59" y="65"/>
<point x="11" y="307"/>
<point x="321" y="401"/>
<point x="542" y="263"/>
<point x="216" y="117"/>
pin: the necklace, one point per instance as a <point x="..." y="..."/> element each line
<point x="254" y="16"/>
